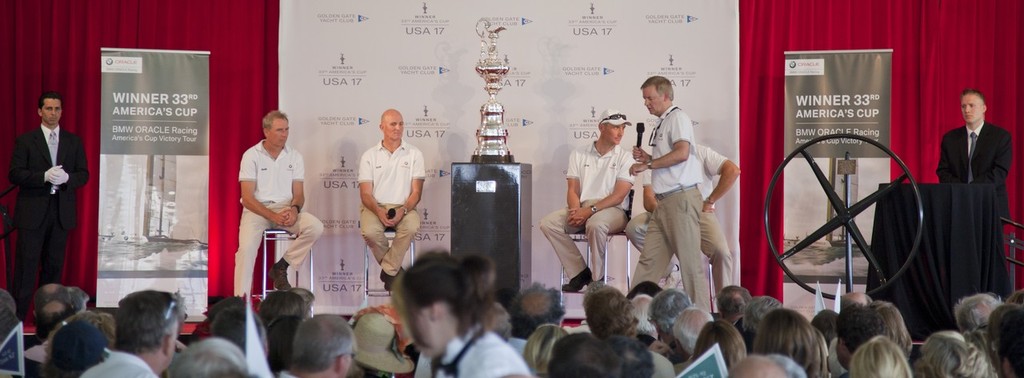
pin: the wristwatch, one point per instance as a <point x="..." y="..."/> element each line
<point x="649" y="164"/>
<point x="298" y="209"/>
<point x="593" y="208"/>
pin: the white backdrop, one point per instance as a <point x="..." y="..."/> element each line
<point x="344" y="62"/>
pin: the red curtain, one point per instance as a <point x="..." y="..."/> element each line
<point x="940" y="47"/>
<point x="56" y="45"/>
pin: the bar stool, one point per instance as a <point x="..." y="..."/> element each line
<point x="389" y="233"/>
<point x="279" y="236"/>
<point x="582" y="237"/>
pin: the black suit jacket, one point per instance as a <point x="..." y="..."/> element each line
<point x="28" y="168"/>
<point x="992" y="157"/>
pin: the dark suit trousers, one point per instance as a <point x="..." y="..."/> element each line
<point x="42" y="246"/>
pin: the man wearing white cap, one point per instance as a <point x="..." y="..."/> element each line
<point x="599" y="180"/>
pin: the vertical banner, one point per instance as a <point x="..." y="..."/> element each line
<point x="827" y="93"/>
<point x="568" y="61"/>
<point x="154" y="175"/>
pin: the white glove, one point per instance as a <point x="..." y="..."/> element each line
<point x="51" y="174"/>
<point x="60" y="177"/>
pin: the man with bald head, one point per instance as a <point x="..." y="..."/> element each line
<point x="391" y="176"/>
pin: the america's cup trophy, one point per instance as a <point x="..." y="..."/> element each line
<point x="491" y="136"/>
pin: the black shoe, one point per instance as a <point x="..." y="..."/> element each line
<point x="280" y="276"/>
<point x="388" y="279"/>
<point x="577" y="283"/>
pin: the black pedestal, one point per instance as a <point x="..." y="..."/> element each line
<point x="491" y="217"/>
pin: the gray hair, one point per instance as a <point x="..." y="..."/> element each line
<point x="666" y="306"/>
<point x="972" y="312"/>
<point x="732" y="300"/>
<point x="757" y="309"/>
<point x="641" y="307"/>
<point x="145" y="317"/>
<point x="213" y="357"/>
<point x="688" y="325"/>
<point x="320" y="340"/>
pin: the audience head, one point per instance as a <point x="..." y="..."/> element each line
<point x="7" y="301"/>
<point x="731" y="300"/>
<point x="104" y="322"/>
<point x="79" y="298"/>
<point x="646" y="287"/>
<point x="948" y="354"/>
<point x="642" y="314"/>
<point x="825" y="322"/>
<point x="323" y="344"/>
<point x="539" y="345"/>
<point x="1011" y="343"/>
<point x="853" y="298"/>
<point x="51" y="292"/>
<point x="282" y="303"/>
<point x="280" y="335"/>
<point x="856" y="325"/>
<point x="972" y="311"/>
<point x="73" y="349"/>
<point x="534" y="306"/>
<point x="637" y="361"/>
<point x="583" y="355"/>
<point x="995" y="321"/>
<point x="307" y="298"/>
<point x="1016" y="298"/>
<point x="879" y="358"/>
<point x="688" y="325"/>
<point x="895" y="327"/>
<point x="211" y="358"/>
<point x="50" y="315"/>
<point x="756" y="309"/>
<point x="230" y="325"/>
<point x="665" y="307"/>
<point x="378" y="349"/>
<point x="148" y="323"/>
<point x="787" y="332"/>
<point x="724" y="334"/>
<point x="770" y="366"/>
<point x="443" y="297"/>
<point x="610" y="313"/>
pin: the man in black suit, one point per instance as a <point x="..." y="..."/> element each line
<point x="980" y="152"/>
<point x="48" y="166"/>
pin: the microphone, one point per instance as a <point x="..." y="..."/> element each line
<point x="639" y="133"/>
<point x="391" y="213"/>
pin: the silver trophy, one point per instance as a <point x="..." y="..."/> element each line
<point x="491" y="136"/>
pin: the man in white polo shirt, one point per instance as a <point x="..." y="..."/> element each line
<point x="599" y="180"/>
<point x="271" y="176"/>
<point x="675" y="224"/>
<point x="391" y="176"/>
<point x="712" y="240"/>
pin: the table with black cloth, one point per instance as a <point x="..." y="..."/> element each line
<point x="961" y="251"/>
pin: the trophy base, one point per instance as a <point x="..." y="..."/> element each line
<point x="490" y="159"/>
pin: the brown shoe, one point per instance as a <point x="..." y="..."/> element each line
<point x="280" y="277"/>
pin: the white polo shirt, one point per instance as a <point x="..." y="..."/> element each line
<point x="674" y="126"/>
<point x="711" y="162"/>
<point x="392" y="173"/>
<point x="273" y="177"/>
<point x="598" y="174"/>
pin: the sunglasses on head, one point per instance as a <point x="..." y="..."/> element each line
<point x="617" y="116"/>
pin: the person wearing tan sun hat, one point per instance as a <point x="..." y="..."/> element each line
<point x="378" y="347"/>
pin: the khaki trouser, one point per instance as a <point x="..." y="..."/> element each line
<point x="712" y="243"/>
<point x="602" y="223"/>
<point x="250" y="236"/>
<point x="389" y="257"/>
<point x="675" y="227"/>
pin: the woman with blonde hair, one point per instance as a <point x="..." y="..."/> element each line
<point x="537" y="352"/>
<point x="724" y="334"/>
<point x="895" y="327"/>
<point x="880" y="357"/>
<point x="947" y="354"/>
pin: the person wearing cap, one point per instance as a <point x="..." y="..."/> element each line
<point x="75" y="348"/>
<point x="378" y="350"/>
<point x="675" y="225"/>
<point x="598" y="182"/>
<point x="712" y="240"/>
<point x="391" y="176"/>
<point x="271" y="177"/>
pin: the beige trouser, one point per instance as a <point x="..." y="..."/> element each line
<point x="675" y="226"/>
<point x="557" y="230"/>
<point x="250" y="236"/>
<point x="389" y="257"/>
<point x="712" y="243"/>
